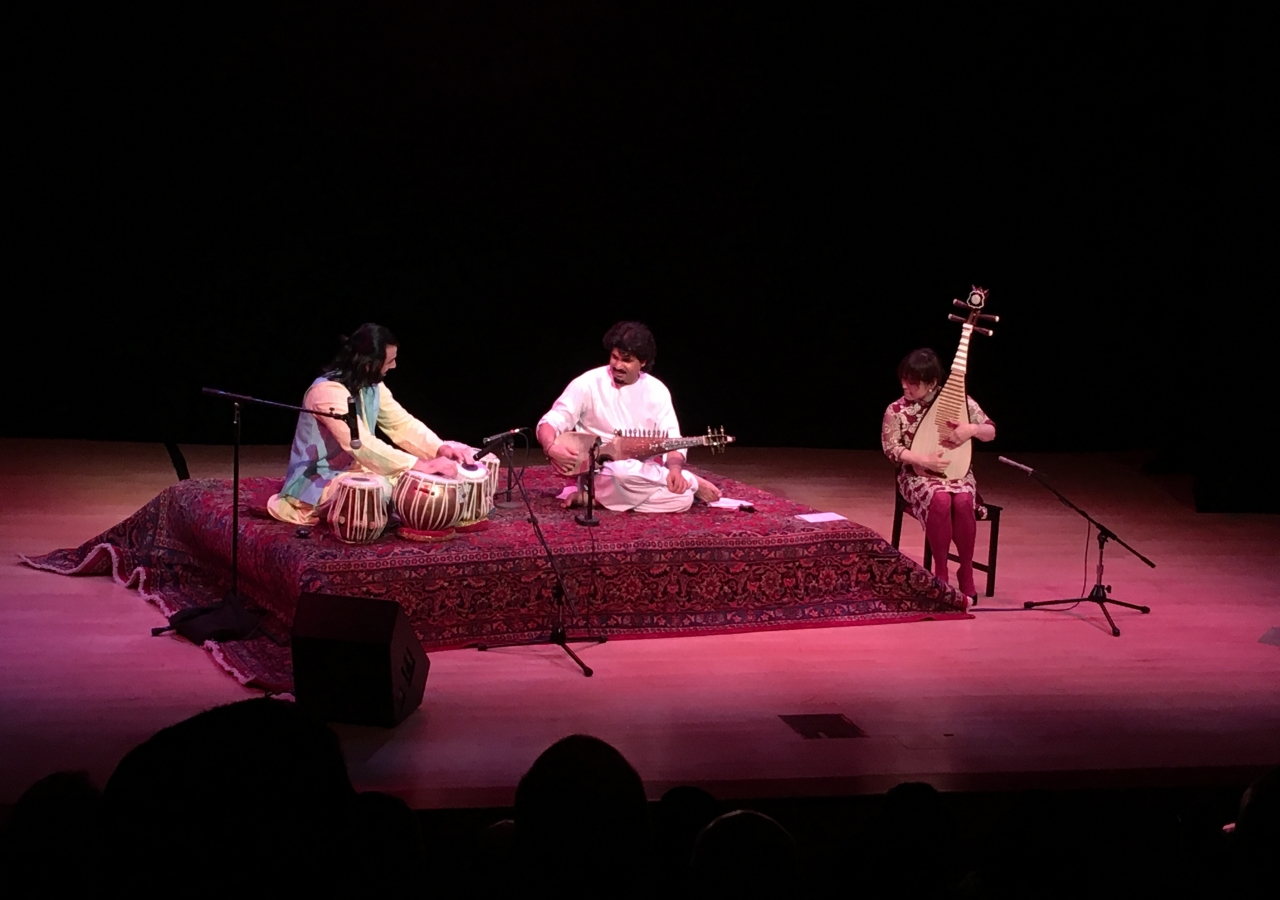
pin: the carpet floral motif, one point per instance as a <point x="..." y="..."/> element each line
<point x="707" y="571"/>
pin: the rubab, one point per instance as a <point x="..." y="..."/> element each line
<point x="635" y="445"/>
<point x="952" y="403"/>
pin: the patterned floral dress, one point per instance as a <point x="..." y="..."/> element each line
<point x="898" y="430"/>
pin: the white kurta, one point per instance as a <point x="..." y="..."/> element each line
<point x="593" y="403"/>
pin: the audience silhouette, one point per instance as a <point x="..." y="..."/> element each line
<point x="255" y="797"/>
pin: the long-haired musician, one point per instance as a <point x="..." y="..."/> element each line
<point x="622" y="396"/>
<point x="944" y="507"/>
<point x="322" y="452"/>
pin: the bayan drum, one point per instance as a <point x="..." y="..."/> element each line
<point x="428" y="502"/>
<point x="358" y="514"/>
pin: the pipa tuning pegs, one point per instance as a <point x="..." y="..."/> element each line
<point x="981" y="330"/>
<point x="954" y="318"/>
<point x="987" y="317"/>
<point x="960" y="303"/>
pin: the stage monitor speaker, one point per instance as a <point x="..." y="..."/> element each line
<point x="356" y="660"/>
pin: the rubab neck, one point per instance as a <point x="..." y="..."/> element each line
<point x="951" y="400"/>
<point x="682" y="443"/>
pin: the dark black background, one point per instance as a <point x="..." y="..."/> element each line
<point x="209" y="193"/>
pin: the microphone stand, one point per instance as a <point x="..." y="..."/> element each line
<point x="560" y="593"/>
<point x="1100" y="591"/>
<point x="501" y="445"/>
<point x="229" y="619"/>
<point x="508" y="503"/>
<point x="588" y="516"/>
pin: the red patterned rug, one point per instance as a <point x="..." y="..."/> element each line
<point x="708" y="571"/>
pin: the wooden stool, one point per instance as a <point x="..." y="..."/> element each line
<point x="993" y="545"/>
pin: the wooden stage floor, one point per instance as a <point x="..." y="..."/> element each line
<point x="1009" y="699"/>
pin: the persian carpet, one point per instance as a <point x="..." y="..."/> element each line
<point x="707" y="571"/>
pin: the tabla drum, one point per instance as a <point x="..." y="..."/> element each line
<point x="493" y="466"/>
<point x="482" y="485"/>
<point x="357" y="514"/>
<point x="429" y="502"/>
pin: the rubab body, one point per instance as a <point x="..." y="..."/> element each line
<point x="952" y="403"/>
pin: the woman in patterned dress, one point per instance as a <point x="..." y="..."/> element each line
<point x="945" y="508"/>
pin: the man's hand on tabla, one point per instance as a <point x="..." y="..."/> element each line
<point x="457" y="454"/>
<point x="441" y="465"/>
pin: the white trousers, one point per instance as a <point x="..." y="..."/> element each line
<point x="295" y="512"/>
<point x="633" y="484"/>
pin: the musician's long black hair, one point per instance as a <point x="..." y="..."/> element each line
<point x="634" y="338"/>
<point x="920" y="367"/>
<point x="360" y="359"/>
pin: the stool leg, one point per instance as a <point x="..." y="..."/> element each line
<point x="991" y="555"/>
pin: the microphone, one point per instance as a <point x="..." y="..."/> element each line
<point x="350" y="419"/>
<point x="488" y="443"/>
<point x="494" y="438"/>
<point x="1016" y="465"/>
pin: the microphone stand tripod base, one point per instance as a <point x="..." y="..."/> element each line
<point x="558" y="635"/>
<point x="558" y="638"/>
<point x="561" y="639"/>
<point x="1098" y="595"/>
<point x="1100" y="590"/>
<point x="227" y="620"/>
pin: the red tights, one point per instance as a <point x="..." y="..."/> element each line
<point x="951" y="517"/>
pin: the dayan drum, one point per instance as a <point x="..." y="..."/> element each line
<point x="428" y="502"/>
<point x="357" y="513"/>
<point x="482" y="486"/>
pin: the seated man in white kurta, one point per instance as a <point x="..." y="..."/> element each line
<point x="322" y="455"/>
<point x="623" y="395"/>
